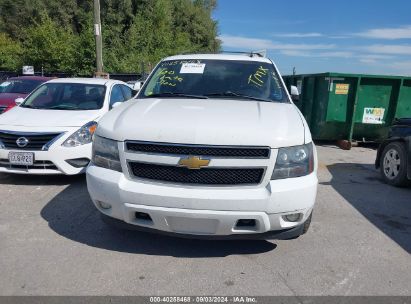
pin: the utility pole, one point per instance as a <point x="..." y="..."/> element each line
<point x="99" y="42"/>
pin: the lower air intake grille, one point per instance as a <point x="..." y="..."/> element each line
<point x="204" y="176"/>
<point x="38" y="164"/>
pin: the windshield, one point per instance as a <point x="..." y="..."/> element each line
<point x="215" y="79"/>
<point x="19" y="86"/>
<point x="66" y="96"/>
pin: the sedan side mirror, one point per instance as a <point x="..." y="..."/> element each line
<point x="137" y="86"/>
<point x="19" y="101"/>
<point x="295" y="95"/>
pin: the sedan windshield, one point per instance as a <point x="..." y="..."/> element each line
<point x="19" y="86"/>
<point x="204" y="79"/>
<point x="66" y="96"/>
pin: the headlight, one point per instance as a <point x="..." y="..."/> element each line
<point x="82" y="136"/>
<point x="294" y="162"/>
<point x="105" y="153"/>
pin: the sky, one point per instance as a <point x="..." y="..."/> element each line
<point x="362" y="36"/>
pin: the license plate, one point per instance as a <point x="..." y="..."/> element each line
<point x="21" y="158"/>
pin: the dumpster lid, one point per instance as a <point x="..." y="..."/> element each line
<point x="402" y="121"/>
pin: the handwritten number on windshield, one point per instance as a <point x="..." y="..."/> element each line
<point x="167" y="78"/>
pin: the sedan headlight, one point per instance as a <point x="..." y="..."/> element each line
<point x="105" y="153"/>
<point x="294" y="162"/>
<point x="82" y="136"/>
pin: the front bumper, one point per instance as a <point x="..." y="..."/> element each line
<point x="53" y="161"/>
<point x="204" y="211"/>
<point x="284" y="234"/>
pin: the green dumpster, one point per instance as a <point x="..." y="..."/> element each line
<point x="351" y="106"/>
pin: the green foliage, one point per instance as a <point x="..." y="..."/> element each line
<point x="49" y="46"/>
<point x="10" y="52"/>
<point x="58" y="34"/>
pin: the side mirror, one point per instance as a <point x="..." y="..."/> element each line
<point x="137" y="86"/>
<point x="19" y="101"/>
<point x="116" y="104"/>
<point x="295" y="95"/>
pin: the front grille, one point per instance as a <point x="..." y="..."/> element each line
<point x="38" y="164"/>
<point x="2" y="109"/>
<point x="200" y="150"/>
<point x="204" y="176"/>
<point x="36" y="141"/>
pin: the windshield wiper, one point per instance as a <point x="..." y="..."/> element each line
<point x="63" y="107"/>
<point x="234" y="94"/>
<point x="29" y="106"/>
<point x="171" y="94"/>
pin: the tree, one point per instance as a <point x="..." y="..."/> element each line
<point x="10" y="53"/>
<point x="49" y="46"/>
<point x="194" y="18"/>
<point x="58" y="34"/>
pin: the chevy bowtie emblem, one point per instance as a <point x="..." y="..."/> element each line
<point x="193" y="162"/>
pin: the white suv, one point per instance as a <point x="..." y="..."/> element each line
<point x="212" y="147"/>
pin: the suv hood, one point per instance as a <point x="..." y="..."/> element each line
<point x="18" y="116"/>
<point x="205" y="121"/>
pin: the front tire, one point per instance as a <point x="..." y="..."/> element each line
<point x="393" y="164"/>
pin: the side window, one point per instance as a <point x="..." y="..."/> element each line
<point x="127" y="92"/>
<point x="116" y="95"/>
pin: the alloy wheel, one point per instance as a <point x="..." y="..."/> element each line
<point x="391" y="164"/>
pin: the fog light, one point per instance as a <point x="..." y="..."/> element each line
<point x="78" y="162"/>
<point x="293" y="217"/>
<point x="104" y="205"/>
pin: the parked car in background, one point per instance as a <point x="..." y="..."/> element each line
<point x="17" y="87"/>
<point x="51" y="131"/>
<point x="213" y="147"/>
<point x="394" y="154"/>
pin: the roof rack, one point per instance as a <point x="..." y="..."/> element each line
<point x="259" y="53"/>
